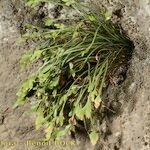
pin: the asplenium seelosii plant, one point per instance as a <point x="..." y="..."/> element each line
<point x="78" y="58"/>
<point x="33" y="3"/>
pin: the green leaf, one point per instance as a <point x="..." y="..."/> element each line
<point x="33" y="3"/>
<point x="23" y="91"/>
<point x="42" y="78"/>
<point x="27" y="85"/>
<point x="20" y="101"/>
<point x="45" y="69"/>
<point x="74" y="89"/>
<point x="60" y="133"/>
<point x="97" y="101"/>
<point x="108" y="15"/>
<point x="91" y="96"/>
<point x="25" y="59"/>
<point x="53" y="83"/>
<point x="104" y="76"/>
<point x="72" y="71"/>
<point x="71" y="65"/>
<point x="29" y="57"/>
<point x="60" y="120"/>
<point x="40" y="118"/>
<point x="34" y="108"/>
<point x="49" y="22"/>
<point x="94" y="137"/>
<point x="59" y="26"/>
<point x="36" y="55"/>
<point x="55" y="34"/>
<point x="88" y="109"/>
<point x="91" y="18"/>
<point x="85" y="111"/>
<point x="49" y="131"/>
<point x="54" y="93"/>
<point x="69" y="2"/>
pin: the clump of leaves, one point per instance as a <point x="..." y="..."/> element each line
<point x="33" y="3"/>
<point x="77" y="60"/>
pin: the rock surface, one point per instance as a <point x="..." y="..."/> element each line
<point x="129" y="129"/>
<point x="16" y="126"/>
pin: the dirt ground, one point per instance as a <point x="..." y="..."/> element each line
<point x="129" y="129"/>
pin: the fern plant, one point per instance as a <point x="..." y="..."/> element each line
<point x="33" y="3"/>
<point x="77" y="60"/>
